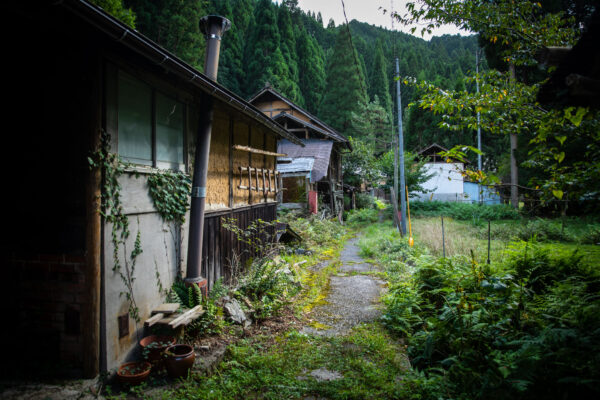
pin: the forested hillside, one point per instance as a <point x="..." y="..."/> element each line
<point x="312" y="61"/>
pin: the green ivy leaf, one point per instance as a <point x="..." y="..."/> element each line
<point x="558" y="194"/>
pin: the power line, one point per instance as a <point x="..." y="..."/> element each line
<point x="353" y="49"/>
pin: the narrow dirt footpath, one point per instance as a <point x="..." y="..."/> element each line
<point x="353" y="296"/>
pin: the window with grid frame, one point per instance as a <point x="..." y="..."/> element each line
<point x="151" y="125"/>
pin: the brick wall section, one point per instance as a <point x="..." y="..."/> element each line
<point x="49" y="292"/>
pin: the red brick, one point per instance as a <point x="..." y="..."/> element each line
<point x="60" y="267"/>
<point x="74" y="259"/>
<point x="52" y="257"/>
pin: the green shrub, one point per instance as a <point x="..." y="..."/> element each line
<point x="463" y="211"/>
<point x="362" y="216"/>
<point x="526" y="329"/>
<point x="364" y="200"/>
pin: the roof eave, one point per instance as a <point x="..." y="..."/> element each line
<point x="156" y="54"/>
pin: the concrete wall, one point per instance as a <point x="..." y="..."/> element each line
<point x="161" y="255"/>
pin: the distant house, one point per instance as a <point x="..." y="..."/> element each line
<point x="303" y="179"/>
<point x="76" y="73"/>
<point x="446" y="182"/>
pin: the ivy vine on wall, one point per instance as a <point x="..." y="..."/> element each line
<point x="112" y="211"/>
<point x="170" y="192"/>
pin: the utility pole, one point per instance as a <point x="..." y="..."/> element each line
<point x="401" y="152"/>
<point x="514" y="171"/>
<point x="394" y="144"/>
<point x="479" y="163"/>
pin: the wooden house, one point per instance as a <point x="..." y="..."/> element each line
<point x="302" y="178"/>
<point x="74" y="75"/>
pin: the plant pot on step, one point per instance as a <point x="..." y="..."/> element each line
<point x="133" y="373"/>
<point x="179" y="359"/>
<point x="154" y="346"/>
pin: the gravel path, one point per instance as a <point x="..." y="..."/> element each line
<point x="353" y="296"/>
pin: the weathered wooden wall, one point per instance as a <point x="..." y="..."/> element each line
<point x="220" y="244"/>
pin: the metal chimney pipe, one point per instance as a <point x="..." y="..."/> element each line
<point x="213" y="27"/>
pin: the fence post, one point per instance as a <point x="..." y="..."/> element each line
<point x="443" y="240"/>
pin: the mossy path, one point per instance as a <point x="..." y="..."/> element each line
<point x="345" y="353"/>
<point x="353" y="296"/>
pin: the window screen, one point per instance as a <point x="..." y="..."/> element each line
<point x="169" y="130"/>
<point x="134" y="120"/>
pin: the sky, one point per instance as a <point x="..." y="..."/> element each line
<point x="368" y="11"/>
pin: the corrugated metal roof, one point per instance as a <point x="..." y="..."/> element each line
<point x="295" y="165"/>
<point x="319" y="150"/>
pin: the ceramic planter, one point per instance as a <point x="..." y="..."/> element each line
<point x="179" y="359"/>
<point x="154" y="346"/>
<point x="133" y="373"/>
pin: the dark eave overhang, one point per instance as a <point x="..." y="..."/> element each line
<point x="315" y="128"/>
<point x="154" y="53"/>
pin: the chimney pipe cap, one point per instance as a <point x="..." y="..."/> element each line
<point x="210" y="22"/>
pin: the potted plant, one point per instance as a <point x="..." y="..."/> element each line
<point x="133" y="373"/>
<point x="154" y="346"/>
<point x="179" y="359"/>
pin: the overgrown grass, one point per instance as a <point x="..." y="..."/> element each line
<point x="462" y="237"/>
<point x="525" y="327"/>
<point x="463" y="211"/>
<point x="369" y="361"/>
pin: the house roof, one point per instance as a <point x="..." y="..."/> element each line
<point x="433" y="150"/>
<point x="319" y="150"/>
<point x="576" y="81"/>
<point x="283" y="116"/>
<point x="155" y="54"/>
<point x="295" y="165"/>
<point x="269" y="91"/>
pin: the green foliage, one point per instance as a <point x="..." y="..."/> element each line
<point x="525" y="329"/>
<point x="174" y="24"/>
<point x="361" y="164"/>
<point x="345" y="88"/>
<point x="506" y="101"/>
<point x="415" y="174"/>
<point x="463" y="211"/>
<point x="260" y="367"/>
<point x="316" y="233"/>
<point x="362" y="216"/>
<point x="112" y="211"/>
<point x="266" y="283"/>
<point x="364" y="200"/>
<point x="209" y="323"/>
<point x="170" y="192"/>
<point x="117" y="10"/>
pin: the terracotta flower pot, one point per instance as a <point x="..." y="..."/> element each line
<point x="133" y="373"/>
<point x="179" y="360"/>
<point x="154" y="346"/>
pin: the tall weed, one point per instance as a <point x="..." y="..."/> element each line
<point x="526" y="329"/>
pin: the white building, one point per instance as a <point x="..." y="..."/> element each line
<point x="446" y="182"/>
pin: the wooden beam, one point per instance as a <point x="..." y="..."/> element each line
<point x="257" y="151"/>
<point x="185" y="316"/>
<point x="91" y="310"/>
<point x="153" y="320"/>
